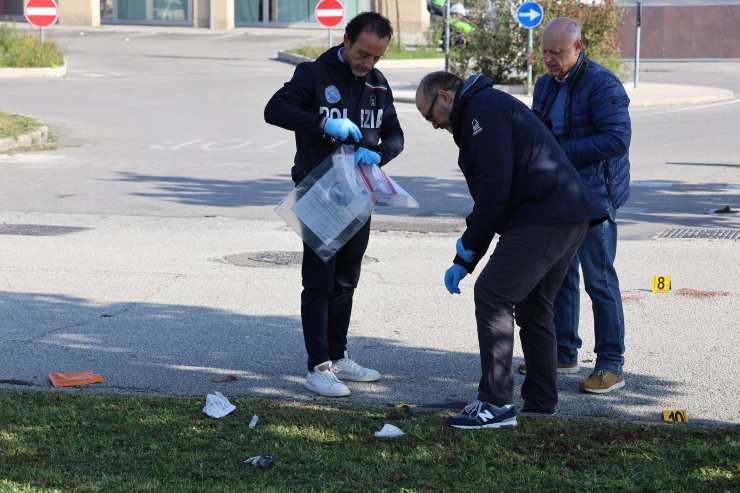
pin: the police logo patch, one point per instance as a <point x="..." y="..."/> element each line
<point x="332" y="94"/>
<point x="373" y="102"/>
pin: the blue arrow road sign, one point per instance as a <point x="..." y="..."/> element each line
<point x="529" y="15"/>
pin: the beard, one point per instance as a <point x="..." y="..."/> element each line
<point x="359" y="72"/>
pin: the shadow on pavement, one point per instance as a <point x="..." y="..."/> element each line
<point x="437" y="197"/>
<point x="681" y="204"/>
<point x="651" y="201"/>
<point x="211" y="192"/>
<point x="180" y="349"/>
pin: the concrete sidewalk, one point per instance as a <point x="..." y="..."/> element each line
<point x="157" y="305"/>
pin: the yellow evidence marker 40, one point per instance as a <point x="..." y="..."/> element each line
<point x="675" y="416"/>
<point x="661" y="284"/>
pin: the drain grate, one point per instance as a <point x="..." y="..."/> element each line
<point x="701" y="233"/>
<point x="272" y="259"/>
<point x="38" y="230"/>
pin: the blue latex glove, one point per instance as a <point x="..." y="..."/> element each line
<point x="453" y="276"/>
<point x="466" y="255"/>
<point x="366" y="157"/>
<point x="342" y="128"/>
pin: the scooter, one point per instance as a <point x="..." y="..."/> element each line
<point x="459" y="24"/>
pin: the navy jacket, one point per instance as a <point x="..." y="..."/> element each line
<point x="328" y="88"/>
<point x="597" y="127"/>
<point x="516" y="172"/>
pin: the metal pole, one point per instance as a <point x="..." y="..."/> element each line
<point x="529" y="63"/>
<point x="638" y="21"/>
<point x="447" y="36"/>
<point x="330" y="38"/>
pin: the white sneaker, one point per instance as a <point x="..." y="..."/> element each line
<point x="324" y="382"/>
<point x="349" y="370"/>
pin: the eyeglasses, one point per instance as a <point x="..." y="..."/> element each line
<point x="428" y="115"/>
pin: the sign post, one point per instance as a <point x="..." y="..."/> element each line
<point x="638" y="21"/>
<point x="329" y="13"/>
<point x="529" y="15"/>
<point x="447" y="36"/>
<point x="41" y="14"/>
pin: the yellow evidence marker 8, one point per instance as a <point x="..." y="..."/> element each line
<point x="675" y="416"/>
<point x="661" y="284"/>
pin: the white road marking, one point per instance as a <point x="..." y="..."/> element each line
<point x="274" y="145"/>
<point x="227" y="36"/>
<point x="214" y="146"/>
<point x="173" y="145"/>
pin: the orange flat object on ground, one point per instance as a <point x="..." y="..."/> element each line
<point x="74" y="378"/>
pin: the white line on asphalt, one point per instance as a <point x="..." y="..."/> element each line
<point x="692" y="108"/>
<point x="173" y="145"/>
<point x="227" y="36"/>
<point x="223" y="145"/>
<point x="274" y="145"/>
<point x="141" y="35"/>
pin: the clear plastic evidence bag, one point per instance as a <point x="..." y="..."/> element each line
<point x="335" y="200"/>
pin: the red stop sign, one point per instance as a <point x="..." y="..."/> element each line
<point x="329" y="13"/>
<point x="41" y="13"/>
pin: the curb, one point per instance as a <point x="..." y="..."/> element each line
<point x="286" y="57"/>
<point x="27" y="72"/>
<point x="38" y="136"/>
<point x="708" y="95"/>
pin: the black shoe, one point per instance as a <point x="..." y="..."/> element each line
<point x="480" y="414"/>
<point x="538" y="410"/>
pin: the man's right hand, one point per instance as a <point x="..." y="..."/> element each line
<point x="342" y="128"/>
<point x="453" y="276"/>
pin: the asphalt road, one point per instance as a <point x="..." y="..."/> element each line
<point x="166" y="168"/>
<point x="171" y="125"/>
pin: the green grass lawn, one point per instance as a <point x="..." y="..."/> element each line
<point x="391" y="54"/>
<point x="15" y="125"/>
<point x="54" y="442"/>
<point x="25" y="50"/>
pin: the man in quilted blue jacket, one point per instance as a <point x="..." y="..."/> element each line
<point x="586" y="108"/>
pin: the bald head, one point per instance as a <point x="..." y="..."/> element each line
<point x="434" y="98"/>
<point x="561" y="46"/>
<point x="563" y="28"/>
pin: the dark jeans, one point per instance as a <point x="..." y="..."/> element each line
<point x="523" y="276"/>
<point x="596" y="258"/>
<point x="326" y="301"/>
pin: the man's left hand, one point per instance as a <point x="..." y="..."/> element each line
<point x="366" y="157"/>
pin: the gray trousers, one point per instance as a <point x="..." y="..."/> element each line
<point x="523" y="276"/>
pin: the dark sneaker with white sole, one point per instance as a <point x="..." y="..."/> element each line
<point x="480" y="414"/>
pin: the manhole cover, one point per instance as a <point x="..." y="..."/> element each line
<point x="701" y="233"/>
<point x="272" y="259"/>
<point x="38" y="230"/>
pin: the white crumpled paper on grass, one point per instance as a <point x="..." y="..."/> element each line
<point x="217" y="406"/>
